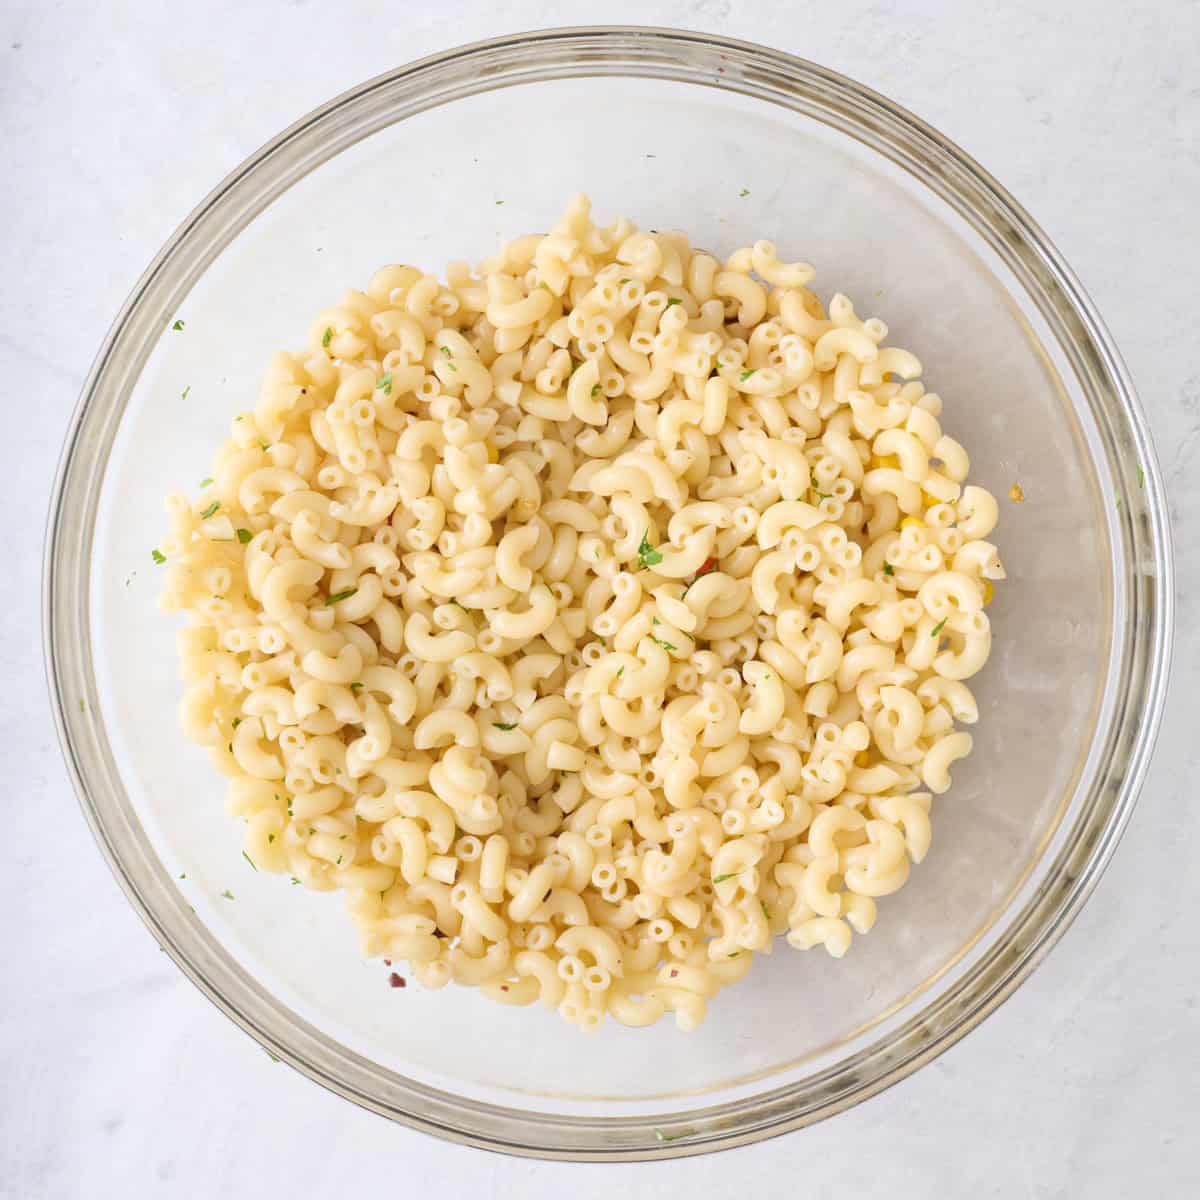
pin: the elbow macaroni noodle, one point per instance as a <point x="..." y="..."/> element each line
<point x="591" y="621"/>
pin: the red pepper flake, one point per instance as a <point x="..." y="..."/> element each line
<point x="397" y="981"/>
<point x="706" y="568"/>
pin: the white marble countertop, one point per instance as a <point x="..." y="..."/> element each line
<point x="119" y="1079"/>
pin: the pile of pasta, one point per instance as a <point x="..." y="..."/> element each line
<point x="589" y="619"/>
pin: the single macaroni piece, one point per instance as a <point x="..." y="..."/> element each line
<point x="590" y="620"/>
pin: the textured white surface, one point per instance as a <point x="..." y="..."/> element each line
<point x="118" y="1077"/>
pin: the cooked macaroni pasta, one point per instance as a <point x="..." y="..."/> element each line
<point x="591" y="620"/>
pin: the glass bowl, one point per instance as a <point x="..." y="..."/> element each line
<point x="731" y="142"/>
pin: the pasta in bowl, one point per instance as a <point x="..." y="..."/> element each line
<point x="590" y="619"/>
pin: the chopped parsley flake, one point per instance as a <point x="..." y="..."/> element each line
<point x="177" y="326"/>
<point x="743" y="193"/>
<point x="746" y="374"/>
<point x="888" y="569"/>
<point x="504" y="725"/>
<point x="674" y="300"/>
<point x="327" y="337"/>
<point x="158" y="556"/>
<point x="664" y="645"/>
<point x="938" y="627"/>
<point x="658" y="1133"/>
<point x="499" y="201"/>
<point x="206" y="481"/>
<point x="244" y="536"/>
<point x="338" y="597"/>
<point x="208" y="512"/>
<point x="236" y="722"/>
<point x="595" y="389"/>
<point x="248" y="859"/>
<point x="184" y="394"/>
<point x="1141" y="476"/>
<point x="270" y="838"/>
<point x="356" y="687"/>
<point x="647" y="555"/>
<point x="730" y="875"/>
<point x="270" y="1055"/>
<point x="385" y="384"/>
<point x="766" y="911"/>
<point x="183" y="875"/>
<point x="227" y="894"/>
<point x="620" y="672"/>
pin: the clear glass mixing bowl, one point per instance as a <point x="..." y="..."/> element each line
<point x="731" y="142"/>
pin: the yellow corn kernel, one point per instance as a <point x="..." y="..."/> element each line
<point x="912" y="523"/>
<point x="493" y="455"/>
<point x="988" y="591"/>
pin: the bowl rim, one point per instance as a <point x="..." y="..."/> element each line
<point x="649" y="52"/>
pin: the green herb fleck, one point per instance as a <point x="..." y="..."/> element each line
<point x="338" y="597"/>
<point x="327" y="337"/>
<point x="244" y="536"/>
<point x="270" y="1055"/>
<point x="208" y="512"/>
<point x="1118" y="502"/>
<point x="82" y="705"/>
<point x="264" y="446"/>
<point x="888" y="569"/>
<point x="658" y="1133"/>
<point x="183" y="875"/>
<point x="158" y="556"/>
<point x="623" y="282"/>
<point x="743" y="193"/>
<point x="766" y="911"/>
<point x="184" y="394"/>
<point x="595" y="389"/>
<point x="647" y="555"/>
<point x="248" y="859"/>
<point x="295" y="881"/>
<point x="385" y="384"/>
<point x="270" y="838"/>
<point x="664" y="645"/>
<point x="746" y="374"/>
<point x="938" y="627"/>
<point x="236" y="722"/>
<point x="206" y="481"/>
<point x="674" y="300"/>
<point x="227" y="894"/>
<point x="620" y="672"/>
<point x="499" y="201"/>
<point x="730" y="875"/>
<point x="735" y="954"/>
<point x="1141" y="476"/>
<point x="504" y="725"/>
<point x="177" y="326"/>
<point x="356" y="687"/>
